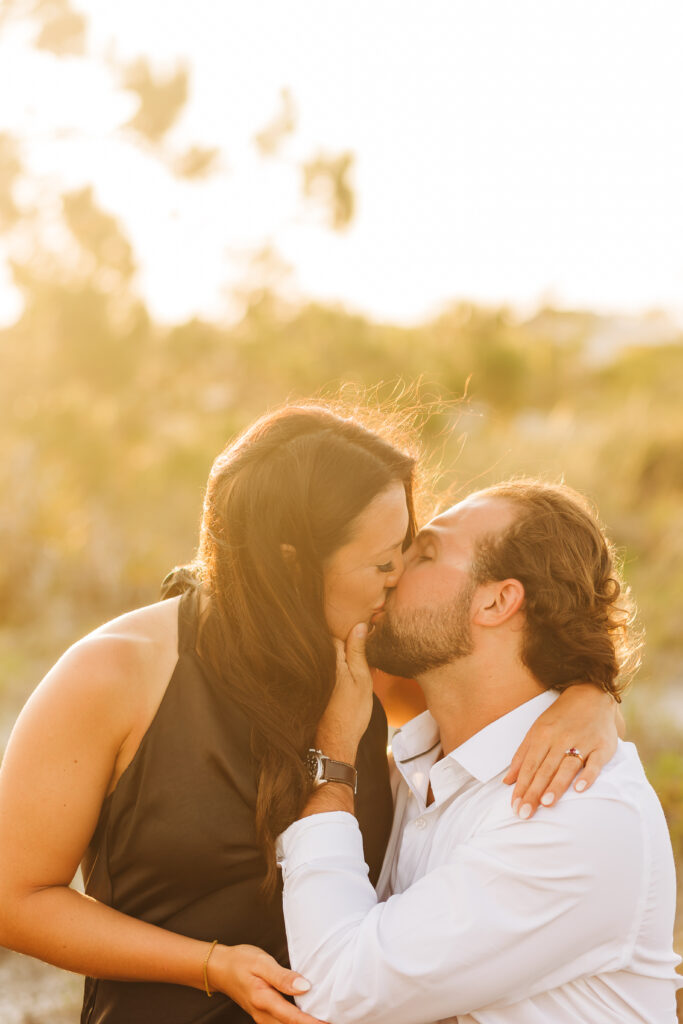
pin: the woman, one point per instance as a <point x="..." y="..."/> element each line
<point x="166" y="750"/>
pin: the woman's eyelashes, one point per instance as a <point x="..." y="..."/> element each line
<point x="387" y="567"/>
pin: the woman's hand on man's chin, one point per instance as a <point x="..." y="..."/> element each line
<point x="348" y="711"/>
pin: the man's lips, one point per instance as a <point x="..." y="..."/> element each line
<point x="376" y="615"/>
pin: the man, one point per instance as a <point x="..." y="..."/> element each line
<point x="484" y="914"/>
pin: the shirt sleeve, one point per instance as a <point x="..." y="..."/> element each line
<point x="519" y="909"/>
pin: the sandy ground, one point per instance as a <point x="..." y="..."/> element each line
<point x="34" y="993"/>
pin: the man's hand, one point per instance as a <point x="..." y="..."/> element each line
<point x="348" y="712"/>
<point x="254" y="980"/>
<point x="584" y="717"/>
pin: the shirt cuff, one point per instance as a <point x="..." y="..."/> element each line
<point x="330" y="835"/>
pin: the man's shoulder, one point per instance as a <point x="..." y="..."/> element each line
<point x="621" y="803"/>
<point x="622" y="781"/>
<point x="622" y="788"/>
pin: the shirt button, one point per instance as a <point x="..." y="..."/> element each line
<point x="420" y="823"/>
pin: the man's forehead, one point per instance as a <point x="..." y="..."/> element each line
<point x="478" y="513"/>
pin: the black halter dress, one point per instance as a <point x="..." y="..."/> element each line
<point x="176" y="845"/>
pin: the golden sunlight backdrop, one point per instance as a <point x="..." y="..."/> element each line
<point x="208" y="209"/>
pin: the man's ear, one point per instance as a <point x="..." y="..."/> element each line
<point x="497" y="602"/>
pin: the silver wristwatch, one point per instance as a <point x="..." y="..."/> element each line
<point x="323" y="769"/>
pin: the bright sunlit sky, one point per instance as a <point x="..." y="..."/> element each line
<point x="506" y="151"/>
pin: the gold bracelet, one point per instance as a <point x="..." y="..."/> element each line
<point x="205" y="966"/>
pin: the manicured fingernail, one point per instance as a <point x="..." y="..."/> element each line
<point x="547" y="799"/>
<point x="525" y="812"/>
<point x="580" y="786"/>
<point x="301" y="985"/>
<point x="515" y="804"/>
<point x="360" y="630"/>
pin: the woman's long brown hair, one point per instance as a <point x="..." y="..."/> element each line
<point x="298" y="478"/>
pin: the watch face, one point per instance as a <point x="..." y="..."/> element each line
<point x="314" y="764"/>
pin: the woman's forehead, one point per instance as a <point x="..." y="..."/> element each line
<point x="383" y="524"/>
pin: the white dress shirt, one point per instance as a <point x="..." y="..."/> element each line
<point x="480" y="916"/>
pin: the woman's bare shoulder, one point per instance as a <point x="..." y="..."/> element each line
<point x="134" y="642"/>
<point x="79" y="730"/>
<point x="124" y="665"/>
<point x="110" y="683"/>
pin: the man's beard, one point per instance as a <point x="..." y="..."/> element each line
<point x="413" y="642"/>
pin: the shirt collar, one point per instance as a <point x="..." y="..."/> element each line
<point x="483" y="755"/>
<point x="415" y="738"/>
<point x="491" y="750"/>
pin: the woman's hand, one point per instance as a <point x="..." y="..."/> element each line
<point x="254" y="980"/>
<point x="348" y="711"/>
<point x="583" y="717"/>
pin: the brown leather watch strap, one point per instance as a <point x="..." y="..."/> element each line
<point x="323" y="769"/>
<point x="338" y="771"/>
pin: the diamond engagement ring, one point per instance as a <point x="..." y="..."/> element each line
<point x="575" y="752"/>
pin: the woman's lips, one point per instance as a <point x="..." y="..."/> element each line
<point x="376" y="616"/>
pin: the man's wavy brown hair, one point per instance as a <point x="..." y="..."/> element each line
<point x="579" y="613"/>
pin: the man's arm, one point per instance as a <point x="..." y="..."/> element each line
<point x="519" y="909"/>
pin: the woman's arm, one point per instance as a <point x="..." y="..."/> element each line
<point x="583" y="717"/>
<point x="55" y="774"/>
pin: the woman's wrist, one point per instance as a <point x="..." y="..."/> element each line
<point x="215" y="969"/>
<point x="205" y="967"/>
<point x="587" y="687"/>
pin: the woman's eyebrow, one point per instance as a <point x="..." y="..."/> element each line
<point x="393" y="547"/>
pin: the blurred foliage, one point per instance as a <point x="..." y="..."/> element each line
<point x="98" y="235"/>
<point x="666" y="775"/>
<point x="271" y="138"/>
<point x="57" y="27"/>
<point x="10" y="170"/>
<point x="326" y="179"/>
<point x="62" y="30"/>
<point x="196" y="162"/>
<point x="161" y="98"/>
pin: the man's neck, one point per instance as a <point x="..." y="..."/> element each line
<point x="467" y="695"/>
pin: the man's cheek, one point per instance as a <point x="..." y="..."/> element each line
<point x="414" y="595"/>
